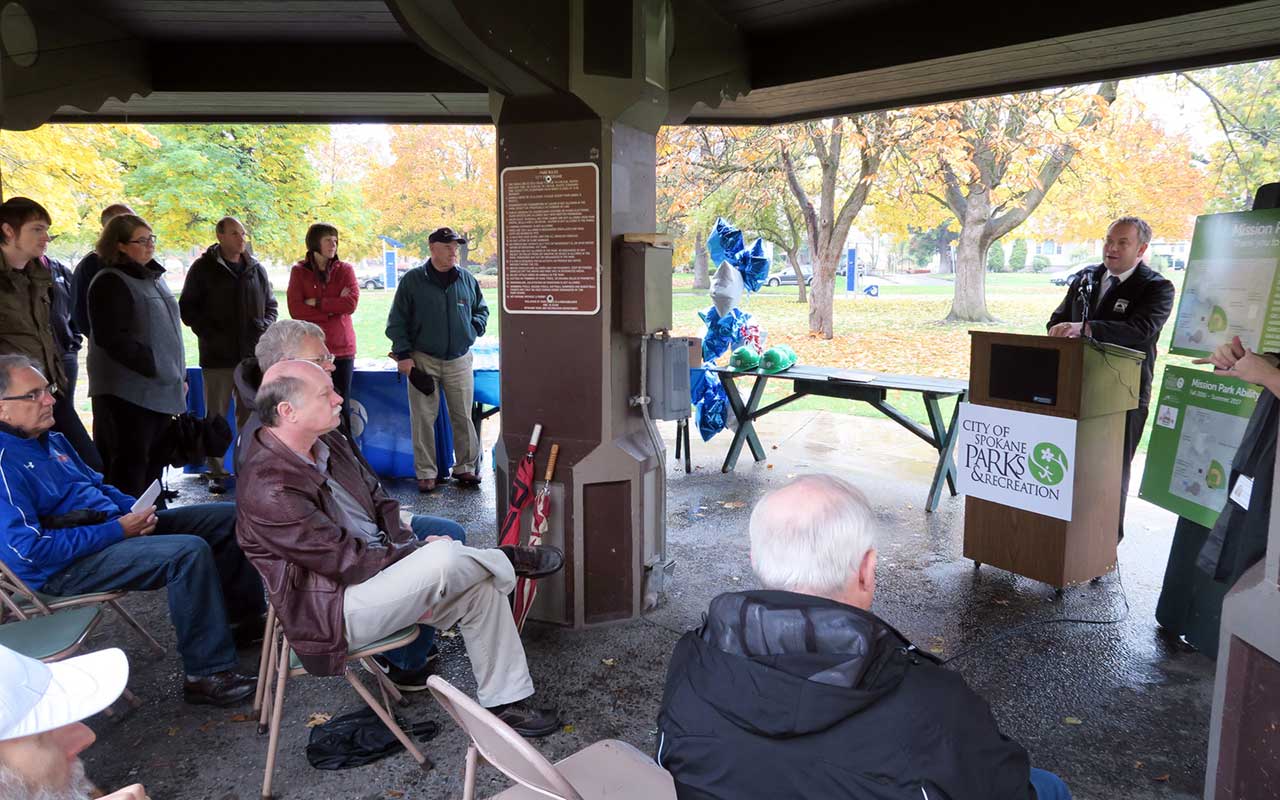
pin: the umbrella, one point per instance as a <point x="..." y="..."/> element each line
<point x="527" y="588"/>
<point x="521" y="492"/>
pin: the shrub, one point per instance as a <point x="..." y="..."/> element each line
<point x="1039" y="263"/>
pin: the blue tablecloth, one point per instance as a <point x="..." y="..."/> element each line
<point x="379" y="409"/>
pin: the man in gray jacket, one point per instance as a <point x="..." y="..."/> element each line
<point x="437" y="314"/>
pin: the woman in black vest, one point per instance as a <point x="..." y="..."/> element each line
<point x="136" y="364"/>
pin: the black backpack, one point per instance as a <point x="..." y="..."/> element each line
<point x="359" y="738"/>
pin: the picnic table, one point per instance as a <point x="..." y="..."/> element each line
<point x="869" y="387"/>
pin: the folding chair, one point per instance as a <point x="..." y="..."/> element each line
<point x="284" y="663"/>
<point x="54" y="636"/>
<point x="23" y="602"/>
<point x="607" y="769"/>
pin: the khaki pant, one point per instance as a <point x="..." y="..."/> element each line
<point x="218" y="386"/>
<point x="443" y="583"/>
<point x="455" y="379"/>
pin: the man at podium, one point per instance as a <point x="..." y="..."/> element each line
<point x="1121" y="301"/>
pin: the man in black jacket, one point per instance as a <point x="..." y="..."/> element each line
<point x="799" y="691"/>
<point x="1120" y="301"/>
<point x="227" y="302"/>
<point x="87" y="269"/>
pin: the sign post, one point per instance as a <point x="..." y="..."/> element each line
<point x="389" y="268"/>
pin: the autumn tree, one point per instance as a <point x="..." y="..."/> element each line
<point x="990" y="162"/>
<point x="1245" y="105"/>
<point x="184" y="178"/>
<point x="1132" y="167"/>
<point x="68" y="170"/>
<point x="438" y="176"/>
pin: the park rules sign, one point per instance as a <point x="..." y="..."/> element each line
<point x="1016" y="459"/>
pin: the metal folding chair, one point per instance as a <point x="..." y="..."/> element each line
<point x="279" y="660"/>
<point x="23" y="603"/>
<point x="607" y="769"/>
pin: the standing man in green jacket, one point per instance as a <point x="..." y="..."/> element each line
<point x="437" y="314"/>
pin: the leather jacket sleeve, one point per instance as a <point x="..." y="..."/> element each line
<point x="289" y="523"/>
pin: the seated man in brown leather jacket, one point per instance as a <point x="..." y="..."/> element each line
<point x="343" y="571"/>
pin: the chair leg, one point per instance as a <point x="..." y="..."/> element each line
<point x="272" y="662"/>
<point x="277" y="709"/>
<point x="387" y="720"/>
<point x="469" y="777"/>
<point x="133" y="623"/>
<point x="385" y="684"/>
<point x="268" y="645"/>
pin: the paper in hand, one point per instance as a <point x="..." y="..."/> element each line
<point x="148" y="497"/>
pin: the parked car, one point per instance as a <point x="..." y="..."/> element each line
<point x="787" y="276"/>
<point x="371" y="281"/>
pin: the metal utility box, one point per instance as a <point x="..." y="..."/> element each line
<point x="668" y="378"/>
<point x="645" y="267"/>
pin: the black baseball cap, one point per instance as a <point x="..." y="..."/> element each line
<point x="445" y="236"/>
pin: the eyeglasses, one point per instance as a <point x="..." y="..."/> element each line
<point x="327" y="358"/>
<point x="35" y="395"/>
<point x="144" y="240"/>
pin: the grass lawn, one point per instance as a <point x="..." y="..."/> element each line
<point x="898" y="332"/>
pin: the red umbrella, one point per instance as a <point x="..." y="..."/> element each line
<point x="521" y="492"/>
<point x="527" y="588"/>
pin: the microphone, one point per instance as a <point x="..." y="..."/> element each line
<point x="1084" y="290"/>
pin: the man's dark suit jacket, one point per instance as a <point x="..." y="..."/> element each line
<point x="1130" y="315"/>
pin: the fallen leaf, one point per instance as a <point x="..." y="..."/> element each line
<point x="1073" y="721"/>
<point x="770" y="466"/>
<point x="734" y="504"/>
<point x="568" y="729"/>
<point x="242" y="718"/>
<point x="172" y="732"/>
<point x="1000" y="602"/>
<point x="394" y="793"/>
<point x="208" y="726"/>
<point x="318" y="718"/>
<point x="1138" y="765"/>
<point x="448" y="634"/>
<point x="609" y="662"/>
<point x="1162" y="778"/>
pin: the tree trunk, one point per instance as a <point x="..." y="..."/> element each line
<point x="463" y="251"/>
<point x="945" y="265"/>
<point x="701" y="275"/>
<point x="794" y="257"/>
<point x="969" y="303"/>
<point x="822" y="295"/>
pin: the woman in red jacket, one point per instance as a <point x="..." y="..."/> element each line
<point x="323" y="290"/>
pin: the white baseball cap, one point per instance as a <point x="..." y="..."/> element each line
<point x="37" y="697"/>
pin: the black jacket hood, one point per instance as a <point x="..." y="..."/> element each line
<point x="823" y="661"/>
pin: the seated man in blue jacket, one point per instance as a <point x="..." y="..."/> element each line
<point x="799" y="691"/>
<point x="65" y="532"/>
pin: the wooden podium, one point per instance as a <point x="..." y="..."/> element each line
<point x="1092" y="383"/>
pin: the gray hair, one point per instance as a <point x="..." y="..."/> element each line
<point x="811" y="535"/>
<point x="11" y="363"/>
<point x="282" y="341"/>
<point x="281" y="390"/>
<point x="1139" y="224"/>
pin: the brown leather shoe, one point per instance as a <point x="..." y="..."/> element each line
<point x="534" y="562"/>
<point x="528" y="721"/>
<point x="220" y="689"/>
<point x="469" y="479"/>
<point x="426" y="485"/>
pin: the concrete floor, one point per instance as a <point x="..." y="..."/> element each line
<point x="1141" y="700"/>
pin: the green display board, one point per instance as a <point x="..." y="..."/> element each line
<point x="1232" y="286"/>
<point x="1197" y="422"/>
